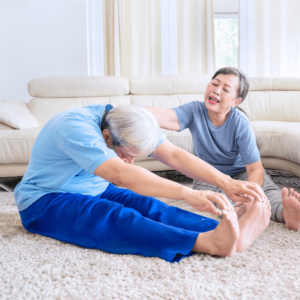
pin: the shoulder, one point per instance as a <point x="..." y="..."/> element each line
<point x="78" y="120"/>
<point x="192" y="106"/>
<point x="243" y="126"/>
<point x="240" y="118"/>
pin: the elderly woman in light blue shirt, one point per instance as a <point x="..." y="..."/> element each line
<point x="67" y="192"/>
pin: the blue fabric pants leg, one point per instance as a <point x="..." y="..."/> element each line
<point x="117" y="221"/>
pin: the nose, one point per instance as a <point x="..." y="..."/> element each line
<point x="129" y="160"/>
<point x="217" y="90"/>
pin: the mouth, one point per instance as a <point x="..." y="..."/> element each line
<point x="213" y="100"/>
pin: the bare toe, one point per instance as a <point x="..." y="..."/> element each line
<point x="284" y="192"/>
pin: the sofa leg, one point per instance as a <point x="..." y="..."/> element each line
<point x="7" y="188"/>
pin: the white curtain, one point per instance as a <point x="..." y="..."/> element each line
<point x="277" y="38"/>
<point x="195" y="36"/>
<point x="132" y="37"/>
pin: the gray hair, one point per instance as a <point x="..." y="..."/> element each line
<point x="244" y="84"/>
<point x="132" y="126"/>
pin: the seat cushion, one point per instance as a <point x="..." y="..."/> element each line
<point x="278" y="139"/>
<point x="16" y="145"/>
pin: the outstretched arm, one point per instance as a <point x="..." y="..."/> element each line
<point x="166" y="118"/>
<point x="146" y="183"/>
<point x="198" y="169"/>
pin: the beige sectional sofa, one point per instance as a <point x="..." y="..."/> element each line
<point x="273" y="106"/>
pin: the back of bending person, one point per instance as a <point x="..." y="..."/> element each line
<point x="66" y="192"/>
<point x="223" y="137"/>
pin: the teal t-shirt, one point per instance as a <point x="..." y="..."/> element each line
<point x="228" y="147"/>
<point x="65" y="156"/>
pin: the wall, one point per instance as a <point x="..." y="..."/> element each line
<point x="226" y="6"/>
<point x="40" y="38"/>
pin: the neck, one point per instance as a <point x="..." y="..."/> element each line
<point x="217" y="119"/>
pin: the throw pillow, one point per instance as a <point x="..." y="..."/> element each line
<point x="17" y="115"/>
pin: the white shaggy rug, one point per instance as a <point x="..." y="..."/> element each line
<point x="36" y="267"/>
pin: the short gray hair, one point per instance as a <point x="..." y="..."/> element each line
<point x="244" y="84"/>
<point x="132" y="126"/>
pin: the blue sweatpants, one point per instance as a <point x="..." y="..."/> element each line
<point x="117" y="221"/>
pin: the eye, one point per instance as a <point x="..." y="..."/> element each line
<point x="226" y="91"/>
<point x="214" y="84"/>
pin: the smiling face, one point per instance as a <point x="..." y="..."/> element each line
<point x="221" y="94"/>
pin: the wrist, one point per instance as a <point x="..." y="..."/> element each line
<point x="224" y="182"/>
<point x="186" y="191"/>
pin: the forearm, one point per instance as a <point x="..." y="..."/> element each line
<point x="195" y="168"/>
<point x="146" y="183"/>
<point x="257" y="176"/>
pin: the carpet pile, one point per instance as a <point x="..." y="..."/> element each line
<point x="36" y="267"/>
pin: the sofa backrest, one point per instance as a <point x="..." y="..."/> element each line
<point x="269" y="99"/>
<point x="167" y="91"/>
<point x="273" y="99"/>
<point x="57" y="94"/>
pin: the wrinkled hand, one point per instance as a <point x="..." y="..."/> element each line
<point x="242" y="191"/>
<point x="202" y="201"/>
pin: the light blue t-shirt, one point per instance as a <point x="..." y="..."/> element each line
<point x="228" y="147"/>
<point x="65" y="156"/>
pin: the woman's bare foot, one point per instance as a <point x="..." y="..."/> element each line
<point x="291" y="209"/>
<point x="252" y="223"/>
<point x="242" y="208"/>
<point x="221" y="241"/>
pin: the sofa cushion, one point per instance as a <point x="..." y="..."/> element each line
<point x="272" y="106"/>
<point x="278" y="139"/>
<point x="164" y="101"/>
<point x="78" y="86"/>
<point x="16" y="145"/>
<point x="16" y="115"/>
<point x="169" y="84"/>
<point x="274" y="83"/>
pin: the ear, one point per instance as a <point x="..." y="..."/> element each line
<point x="106" y="136"/>
<point x="237" y="102"/>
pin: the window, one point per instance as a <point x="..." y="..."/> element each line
<point x="226" y="33"/>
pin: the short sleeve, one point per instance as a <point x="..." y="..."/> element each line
<point x="247" y="144"/>
<point x="88" y="148"/>
<point x="185" y="114"/>
<point x="162" y="138"/>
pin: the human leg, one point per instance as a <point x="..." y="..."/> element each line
<point x="158" y="211"/>
<point x="215" y="240"/>
<point x="93" y="222"/>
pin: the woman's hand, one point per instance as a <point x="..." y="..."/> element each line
<point x="203" y="201"/>
<point x="242" y="191"/>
